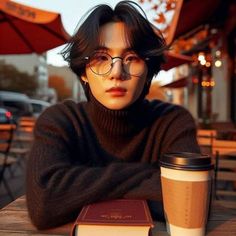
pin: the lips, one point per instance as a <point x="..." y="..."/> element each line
<point x="116" y="91"/>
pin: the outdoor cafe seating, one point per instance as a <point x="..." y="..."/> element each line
<point x="224" y="152"/>
<point x="221" y="145"/>
<point x="204" y="138"/>
<point x="23" y="137"/>
<point x="6" y="161"/>
<point x="15" y="143"/>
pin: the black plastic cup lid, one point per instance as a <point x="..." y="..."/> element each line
<point x="186" y="161"/>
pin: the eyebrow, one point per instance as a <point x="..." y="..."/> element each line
<point x="107" y="49"/>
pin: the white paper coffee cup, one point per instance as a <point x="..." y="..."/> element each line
<point x="186" y="187"/>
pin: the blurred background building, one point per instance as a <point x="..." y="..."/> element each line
<point x="53" y="83"/>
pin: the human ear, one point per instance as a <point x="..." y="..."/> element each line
<point x="84" y="78"/>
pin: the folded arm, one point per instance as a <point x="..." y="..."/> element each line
<point x="58" y="186"/>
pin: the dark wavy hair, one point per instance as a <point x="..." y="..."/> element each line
<point x="143" y="37"/>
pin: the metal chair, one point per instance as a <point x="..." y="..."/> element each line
<point x="23" y="137"/>
<point x="6" y="161"/>
<point x="225" y="172"/>
<point x="205" y="138"/>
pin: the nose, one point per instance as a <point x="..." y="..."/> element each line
<point x="117" y="71"/>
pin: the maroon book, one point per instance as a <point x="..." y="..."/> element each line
<point x="122" y="217"/>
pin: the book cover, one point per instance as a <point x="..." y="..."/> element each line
<point x="119" y="217"/>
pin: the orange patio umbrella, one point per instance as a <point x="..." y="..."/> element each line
<point x="25" y="29"/>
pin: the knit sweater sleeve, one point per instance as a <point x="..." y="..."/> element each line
<point x="179" y="132"/>
<point x="176" y="133"/>
<point x="56" y="188"/>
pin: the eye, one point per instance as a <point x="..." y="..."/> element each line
<point x="102" y="57"/>
<point x="131" y="58"/>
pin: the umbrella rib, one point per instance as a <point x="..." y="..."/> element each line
<point x="54" y="33"/>
<point x="3" y="15"/>
<point x="1" y="20"/>
<point x="19" y="33"/>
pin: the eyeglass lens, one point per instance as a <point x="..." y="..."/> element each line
<point x="101" y="63"/>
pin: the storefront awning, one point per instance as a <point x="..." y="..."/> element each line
<point x="193" y="14"/>
<point x="180" y="83"/>
<point x="174" y="60"/>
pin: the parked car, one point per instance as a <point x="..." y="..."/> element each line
<point x="5" y="116"/>
<point x="17" y="103"/>
<point x="38" y="106"/>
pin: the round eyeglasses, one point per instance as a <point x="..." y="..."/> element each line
<point x="101" y="63"/>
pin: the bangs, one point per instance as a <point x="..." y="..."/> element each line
<point x="124" y="34"/>
<point x="141" y="35"/>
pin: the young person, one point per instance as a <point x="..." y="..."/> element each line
<point x="107" y="147"/>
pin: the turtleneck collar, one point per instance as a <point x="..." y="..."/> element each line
<point x="126" y="121"/>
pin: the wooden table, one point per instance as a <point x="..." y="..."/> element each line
<point x="14" y="221"/>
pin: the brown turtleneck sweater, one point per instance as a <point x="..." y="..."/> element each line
<point x="85" y="153"/>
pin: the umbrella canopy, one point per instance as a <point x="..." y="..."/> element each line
<point x="25" y="29"/>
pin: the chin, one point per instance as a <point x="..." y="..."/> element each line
<point x="117" y="103"/>
<point x="114" y="106"/>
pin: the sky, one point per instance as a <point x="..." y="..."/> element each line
<point x="71" y="12"/>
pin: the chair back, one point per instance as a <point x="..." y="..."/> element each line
<point x="205" y="136"/>
<point x="224" y="147"/>
<point x="23" y="136"/>
<point x="6" y="135"/>
<point x="26" y="124"/>
<point x="224" y="152"/>
<point x="6" y="161"/>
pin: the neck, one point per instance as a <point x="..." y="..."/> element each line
<point x="118" y="122"/>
